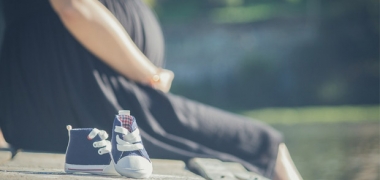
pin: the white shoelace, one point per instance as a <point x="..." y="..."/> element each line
<point x="129" y="139"/>
<point x="104" y="145"/>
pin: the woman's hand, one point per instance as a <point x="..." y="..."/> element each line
<point x="165" y="80"/>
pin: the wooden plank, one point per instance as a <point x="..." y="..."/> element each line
<point x="241" y="173"/>
<point x="211" y="169"/>
<point x="35" y="166"/>
<point x="214" y="169"/>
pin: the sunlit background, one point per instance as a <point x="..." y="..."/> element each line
<point x="310" y="68"/>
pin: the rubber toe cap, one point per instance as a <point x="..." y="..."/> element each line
<point x="134" y="166"/>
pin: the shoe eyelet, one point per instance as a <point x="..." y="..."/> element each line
<point x="94" y="144"/>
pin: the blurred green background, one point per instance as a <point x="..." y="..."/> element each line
<point x="310" y="68"/>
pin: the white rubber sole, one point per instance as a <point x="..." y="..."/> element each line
<point x="134" y="167"/>
<point x="92" y="169"/>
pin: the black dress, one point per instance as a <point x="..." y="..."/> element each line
<point x="49" y="80"/>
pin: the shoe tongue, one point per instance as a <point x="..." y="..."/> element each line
<point x="128" y="122"/>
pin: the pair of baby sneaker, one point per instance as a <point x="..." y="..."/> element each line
<point x="89" y="151"/>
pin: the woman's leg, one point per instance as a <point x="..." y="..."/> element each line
<point x="184" y="128"/>
<point x="3" y="143"/>
<point x="285" y="168"/>
<point x="199" y="130"/>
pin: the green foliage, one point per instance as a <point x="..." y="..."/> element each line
<point x="336" y="64"/>
<point x="317" y="114"/>
<point x="180" y="11"/>
<point x="243" y="14"/>
<point x="255" y="12"/>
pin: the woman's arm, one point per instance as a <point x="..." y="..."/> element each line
<point x="101" y="33"/>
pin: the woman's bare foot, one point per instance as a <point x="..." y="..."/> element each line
<point x="285" y="168"/>
<point x="3" y="143"/>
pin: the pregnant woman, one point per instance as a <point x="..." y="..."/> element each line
<point x="79" y="61"/>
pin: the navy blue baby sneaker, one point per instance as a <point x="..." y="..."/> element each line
<point x="128" y="152"/>
<point x="88" y="151"/>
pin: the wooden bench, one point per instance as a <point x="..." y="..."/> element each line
<point x="35" y="166"/>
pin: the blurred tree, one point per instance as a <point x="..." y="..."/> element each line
<point x="339" y="65"/>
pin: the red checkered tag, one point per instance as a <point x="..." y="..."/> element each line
<point x="126" y="121"/>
